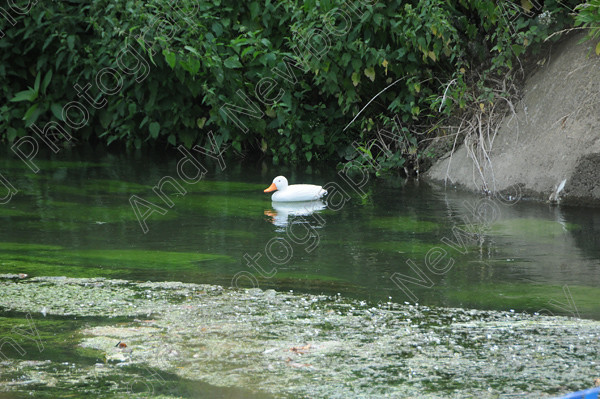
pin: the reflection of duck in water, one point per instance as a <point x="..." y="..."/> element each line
<point x="295" y="192"/>
<point x="283" y="210"/>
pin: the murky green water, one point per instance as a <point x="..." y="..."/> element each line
<point x="373" y="242"/>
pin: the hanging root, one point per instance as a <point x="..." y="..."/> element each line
<point x="479" y="126"/>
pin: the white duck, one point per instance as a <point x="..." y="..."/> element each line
<point x="295" y="192"/>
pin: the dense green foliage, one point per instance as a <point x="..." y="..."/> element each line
<point x="303" y="70"/>
<point x="588" y="16"/>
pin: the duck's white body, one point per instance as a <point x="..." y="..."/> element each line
<point x="295" y="192"/>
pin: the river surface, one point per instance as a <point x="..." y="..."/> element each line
<point x="86" y="215"/>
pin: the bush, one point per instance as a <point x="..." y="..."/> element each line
<point x="275" y="77"/>
<point x="588" y="17"/>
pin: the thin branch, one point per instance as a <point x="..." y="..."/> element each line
<point x="444" y="96"/>
<point x="565" y="30"/>
<point x="370" y="101"/>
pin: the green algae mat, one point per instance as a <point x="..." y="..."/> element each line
<point x="171" y="339"/>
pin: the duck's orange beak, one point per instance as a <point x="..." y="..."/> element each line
<point x="272" y="187"/>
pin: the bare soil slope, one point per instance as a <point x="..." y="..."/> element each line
<point x="554" y="136"/>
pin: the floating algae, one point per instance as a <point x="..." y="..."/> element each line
<point x="54" y="260"/>
<point x="292" y="345"/>
<point x="403" y="224"/>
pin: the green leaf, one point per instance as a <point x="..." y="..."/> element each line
<point x="217" y="28"/>
<point x="378" y="18"/>
<point x="155" y="129"/>
<point x="144" y="121"/>
<point x="56" y="111"/>
<point x="26" y="95"/>
<point x="187" y="139"/>
<point x="192" y="50"/>
<point x="355" y="79"/>
<point x="192" y="65"/>
<point x="247" y="50"/>
<point x="46" y="81"/>
<point x="152" y="98"/>
<point x="105" y="118"/>
<point x="308" y="155"/>
<point x="267" y="58"/>
<point x="170" y="58"/>
<point x="36" y="85"/>
<point x="47" y="42"/>
<point x="526" y="5"/>
<point x="270" y="112"/>
<point x="232" y="62"/>
<point x="370" y="73"/>
<point x="12" y="133"/>
<point x="517" y="49"/>
<point x="71" y="42"/>
<point x="110" y="139"/>
<point x="598" y="48"/>
<point x="172" y="139"/>
<point x="31" y="115"/>
<point x="254" y="9"/>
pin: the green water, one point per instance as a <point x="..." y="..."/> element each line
<point x="74" y="218"/>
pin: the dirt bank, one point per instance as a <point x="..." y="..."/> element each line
<point x="554" y="136"/>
